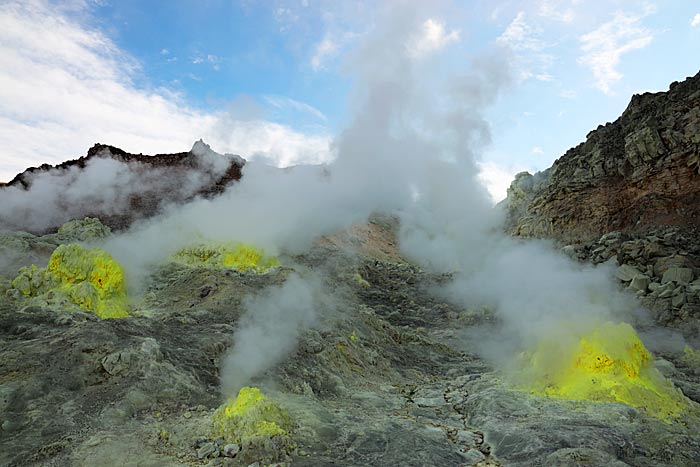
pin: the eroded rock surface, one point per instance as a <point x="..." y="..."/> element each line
<point x="377" y="381"/>
<point x="640" y="172"/>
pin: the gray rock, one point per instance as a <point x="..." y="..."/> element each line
<point x="640" y="283"/>
<point x="664" y="264"/>
<point x="473" y="456"/>
<point x="678" y="300"/>
<point x="116" y="363"/>
<point x="230" y="450"/>
<point x="665" y="293"/>
<point x="677" y="275"/>
<point x="207" y="450"/>
<point x="626" y="273"/>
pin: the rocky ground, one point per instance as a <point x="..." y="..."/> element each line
<point x="381" y="379"/>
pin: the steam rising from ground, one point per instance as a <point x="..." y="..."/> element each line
<point x="410" y="151"/>
<point x="270" y="329"/>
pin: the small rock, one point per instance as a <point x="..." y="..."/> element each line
<point x="230" y="450"/>
<point x="678" y="300"/>
<point x="207" y="450"/>
<point x="666" y="293"/>
<point x="473" y="456"/>
<point x="677" y="275"/>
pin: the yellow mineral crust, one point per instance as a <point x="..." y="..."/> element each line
<point x="610" y="364"/>
<point x="249" y="416"/>
<point x="240" y="256"/>
<point x="89" y="278"/>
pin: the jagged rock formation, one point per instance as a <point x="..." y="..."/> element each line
<point x="128" y="187"/>
<point x="630" y="195"/>
<point x="637" y="173"/>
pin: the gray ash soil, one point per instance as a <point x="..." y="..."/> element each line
<point x="382" y="379"/>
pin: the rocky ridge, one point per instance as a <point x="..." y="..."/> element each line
<point x="147" y="184"/>
<point x="640" y="172"/>
<point x="629" y="196"/>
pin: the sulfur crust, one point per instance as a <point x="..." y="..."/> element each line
<point x="240" y="256"/>
<point x="250" y="415"/>
<point x="89" y="278"/>
<point x="610" y="364"/>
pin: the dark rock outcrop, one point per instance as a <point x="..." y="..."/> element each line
<point x="640" y="172"/>
<point x="131" y="187"/>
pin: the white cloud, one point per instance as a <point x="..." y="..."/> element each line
<point x="524" y="40"/>
<point x="283" y="102"/>
<point x="326" y="48"/>
<point x="557" y="10"/>
<point x="496" y="178"/>
<point x="537" y="150"/>
<point x="164" y="51"/>
<point x="432" y="37"/>
<point x="604" y="46"/>
<point x="520" y="35"/>
<point x="568" y="94"/>
<point x="64" y="87"/>
<point x="695" y="21"/>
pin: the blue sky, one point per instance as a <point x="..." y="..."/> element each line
<point x="274" y="78"/>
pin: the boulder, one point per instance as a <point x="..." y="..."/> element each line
<point x="677" y="275"/>
<point x="667" y="262"/>
<point x="640" y="283"/>
<point x="626" y="273"/>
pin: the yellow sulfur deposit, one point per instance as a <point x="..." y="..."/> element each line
<point x="610" y="364"/>
<point x="89" y="278"/>
<point x="240" y="256"/>
<point x="249" y="416"/>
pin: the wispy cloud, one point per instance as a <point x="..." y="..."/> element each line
<point x="525" y="41"/>
<point x="603" y="47"/>
<point x="327" y="47"/>
<point x="66" y="86"/>
<point x="558" y="10"/>
<point x="432" y="37"/>
<point x="696" y="20"/>
<point x="211" y="59"/>
<point x="283" y="102"/>
<point x="537" y="150"/>
<point x="520" y="35"/>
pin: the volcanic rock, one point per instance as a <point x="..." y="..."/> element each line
<point x="635" y="174"/>
<point x="152" y="183"/>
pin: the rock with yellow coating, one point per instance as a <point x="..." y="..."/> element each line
<point x="259" y="425"/>
<point x="240" y="256"/>
<point x="610" y="364"/>
<point x="83" y="230"/>
<point x="88" y="278"/>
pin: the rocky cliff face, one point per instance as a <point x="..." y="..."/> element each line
<point x="640" y="172"/>
<point x="629" y="195"/>
<point x="113" y="185"/>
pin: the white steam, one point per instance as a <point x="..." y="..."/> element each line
<point x="269" y="330"/>
<point x="105" y="187"/>
<point x="410" y="150"/>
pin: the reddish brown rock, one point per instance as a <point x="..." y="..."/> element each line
<point x="633" y="175"/>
